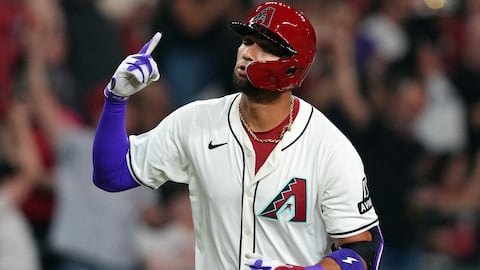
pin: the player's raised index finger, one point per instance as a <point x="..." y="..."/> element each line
<point x="150" y="45"/>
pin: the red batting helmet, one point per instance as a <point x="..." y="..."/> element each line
<point x="289" y="29"/>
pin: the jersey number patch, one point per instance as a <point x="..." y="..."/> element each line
<point x="290" y="204"/>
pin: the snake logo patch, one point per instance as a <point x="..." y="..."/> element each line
<point x="290" y="204"/>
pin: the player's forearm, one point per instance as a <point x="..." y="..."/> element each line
<point x="358" y="252"/>
<point x="362" y="251"/>
<point x="135" y="72"/>
<point x="110" y="171"/>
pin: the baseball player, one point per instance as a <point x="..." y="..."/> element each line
<point x="273" y="183"/>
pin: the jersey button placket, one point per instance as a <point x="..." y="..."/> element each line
<point x="248" y="219"/>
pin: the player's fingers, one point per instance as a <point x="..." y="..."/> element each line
<point x="253" y="256"/>
<point x="151" y="44"/>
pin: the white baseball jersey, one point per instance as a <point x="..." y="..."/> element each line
<point x="312" y="187"/>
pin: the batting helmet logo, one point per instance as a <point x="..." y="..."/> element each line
<point x="264" y="17"/>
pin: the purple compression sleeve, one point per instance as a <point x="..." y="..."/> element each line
<point x="110" y="146"/>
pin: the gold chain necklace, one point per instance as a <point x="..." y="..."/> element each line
<point x="286" y="128"/>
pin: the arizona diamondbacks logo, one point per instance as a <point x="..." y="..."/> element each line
<point x="290" y="204"/>
<point x="366" y="204"/>
<point x="264" y="17"/>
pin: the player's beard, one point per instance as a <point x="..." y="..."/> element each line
<point x="243" y="85"/>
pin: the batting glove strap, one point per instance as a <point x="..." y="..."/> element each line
<point x="347" y="259"/>
<point x="111" y="96"/>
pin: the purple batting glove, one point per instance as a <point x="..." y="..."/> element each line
<point x="136" y="71"/>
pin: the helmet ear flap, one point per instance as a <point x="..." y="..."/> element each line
<point x="276" y="75"/>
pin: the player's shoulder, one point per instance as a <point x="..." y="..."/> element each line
<point x="324" y="129"/>
<point x="318" y="120"/>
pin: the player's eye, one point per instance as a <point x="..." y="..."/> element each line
<point x="247" y="40"/>
<point x="270" y="49"/>
<point x="274" y="49"/>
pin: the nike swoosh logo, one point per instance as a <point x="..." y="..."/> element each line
<point x="213" y="146"/>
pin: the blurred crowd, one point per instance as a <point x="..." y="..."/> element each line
<point x="399" y="78"/>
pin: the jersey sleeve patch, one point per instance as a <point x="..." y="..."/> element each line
<point x="366" y="204"/>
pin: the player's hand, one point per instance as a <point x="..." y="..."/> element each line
<point x="259" y="262"/>
<point x="136" y="71"/>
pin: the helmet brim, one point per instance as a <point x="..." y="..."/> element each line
<point x="244" y="29"/>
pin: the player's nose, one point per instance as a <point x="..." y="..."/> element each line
<point x="249" y="51"/>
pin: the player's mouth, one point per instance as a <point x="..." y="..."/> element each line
<point x="241" y="71"/>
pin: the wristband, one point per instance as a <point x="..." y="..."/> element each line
<point x="111" y="96"/>
<point x="347" y="259"/>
